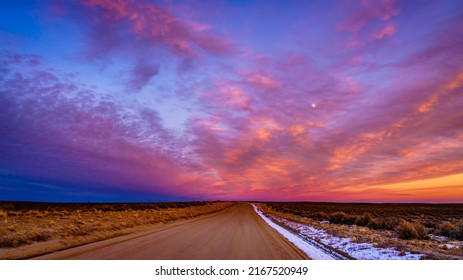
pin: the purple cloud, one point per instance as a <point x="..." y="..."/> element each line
<point x="141" y="75"/>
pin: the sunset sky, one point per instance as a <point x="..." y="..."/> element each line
<point x="231" y="100"/>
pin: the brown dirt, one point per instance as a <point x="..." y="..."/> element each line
<point x="234" y="233"/>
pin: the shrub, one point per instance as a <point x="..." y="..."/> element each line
<point x="342" y="218"/>
<point x="35" y="213"/>
<point x="407" y="231"/>
<point x="364" y="220"/>
<point x="374" y="223"/>
<point x="460" y="232"/>
<point x="336" y="217"/>
<point x="421" y="230"/>
<point x="349" y="219"/>
<point x="450" y="230"/>
<point x="320" y="216"/>
<point x="7" y="241"/>
<point x="3" y="214"/>
<point x="389" y="223"/>
<point x="446" y="229"/>
<point x="40" y="235"/>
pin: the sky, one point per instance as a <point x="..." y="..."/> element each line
<point x="167" y="100"/>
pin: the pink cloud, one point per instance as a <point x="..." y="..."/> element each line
<point x="260" y="79"/>
<point x="227" y="95"/>
<point x="355" y="135"/>
<point x="369" y="10"/>
<point x="352" y="43"/>
<point x="385" y="32"/>
<point x="150" y="22"/>
<point x="137" y="32"/>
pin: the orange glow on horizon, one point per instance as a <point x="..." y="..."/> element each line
<point x="441" y="189"/>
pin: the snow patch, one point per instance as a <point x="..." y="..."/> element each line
<point x="446" y="242"/>
<point x="361" y="251"/>
<point x="311" y="251"/>
<point x="439" y="238"/>
<point x="449" y="245"/>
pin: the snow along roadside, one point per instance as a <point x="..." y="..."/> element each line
<point x="310" y="250"/>
<point x="360" y="251"/>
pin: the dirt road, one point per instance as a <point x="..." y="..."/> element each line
<point x="234" y="233"/>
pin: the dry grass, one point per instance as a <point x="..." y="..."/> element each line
<point x="415" y="224"/>
<point x="453" y="231"/>
<point x="437" y="219"/>
<point x="71" y="226"/>
<point x="4" y="216"/>
<point x="407" y="231"/>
